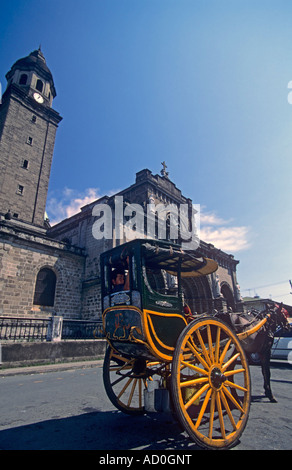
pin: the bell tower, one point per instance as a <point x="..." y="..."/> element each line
<point x="28" y="125"/>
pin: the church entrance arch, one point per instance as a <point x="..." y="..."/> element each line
<point x="198" y="294"/>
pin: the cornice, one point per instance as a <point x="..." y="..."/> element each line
<point x="20" y="95"/>
<point x="9" y="232"/>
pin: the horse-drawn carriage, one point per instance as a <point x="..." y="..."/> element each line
<point x="158" y="351"/>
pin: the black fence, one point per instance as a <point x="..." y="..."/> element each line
<point x="32" y="329"/>
<point x="23" y="329"/>
<point x="82" y="329"/>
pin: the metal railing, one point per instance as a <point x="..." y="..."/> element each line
<point x="38" y="329"/>
<point x="23" y="329"/>
<point x="82" y="329"/>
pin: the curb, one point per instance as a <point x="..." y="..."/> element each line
<point x="42" y="369"/>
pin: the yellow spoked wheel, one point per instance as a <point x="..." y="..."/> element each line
<point x="210" y="383"/>
<point x="125" y="380"/>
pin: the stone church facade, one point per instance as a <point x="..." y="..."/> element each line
<point x="55" y="270"/>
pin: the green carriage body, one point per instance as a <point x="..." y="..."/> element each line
<point x="147" y="319"/>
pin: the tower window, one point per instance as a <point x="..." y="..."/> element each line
<point x="45" y="288"/>
<point x="20" y="189"/>
<point x="33" y="119"/>
<point x="25" y="164"/>
<point x="39" y="85"/>
<point x="23" y="79"/>
<point x="29" y="141"/>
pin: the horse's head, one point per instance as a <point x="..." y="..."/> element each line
<point x="281" y="316"/>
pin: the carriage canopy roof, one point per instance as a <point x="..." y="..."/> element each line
<point x="167" y="256"/>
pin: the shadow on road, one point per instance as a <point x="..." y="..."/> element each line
<point x="260" y="399"/>
<point x="111" y="430"/>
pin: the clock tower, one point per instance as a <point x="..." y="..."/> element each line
<point x="28" y="125"/>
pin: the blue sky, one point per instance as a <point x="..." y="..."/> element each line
<point x="201" y="84"/>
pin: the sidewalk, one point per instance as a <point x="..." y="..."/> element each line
<point x="41" y="369"/>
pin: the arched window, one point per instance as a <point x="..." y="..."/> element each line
<point x="23" y="79"/>
<point x="39" y="85"/>
<point x="45" y="288"/>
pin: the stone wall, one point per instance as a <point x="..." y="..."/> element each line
<point x="78" y="231"/>
<point x="22" y="255"/>
<point x="26" y="354"/>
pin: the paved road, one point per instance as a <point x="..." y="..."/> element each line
<point x="68" y="409"/>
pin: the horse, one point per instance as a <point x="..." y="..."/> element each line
<point x="261" y="341"/>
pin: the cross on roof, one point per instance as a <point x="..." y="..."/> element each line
<point x="163" y="171"/>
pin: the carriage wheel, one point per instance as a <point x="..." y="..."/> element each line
<point x="210" y="383"/>
<point x="125" y="381"/>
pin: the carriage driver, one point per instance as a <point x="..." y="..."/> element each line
<point x="120" y="280"/>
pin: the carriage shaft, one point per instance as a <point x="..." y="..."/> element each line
<point x="253" y="330"/>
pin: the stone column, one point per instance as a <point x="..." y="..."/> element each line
<point x="55" y="329"/>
